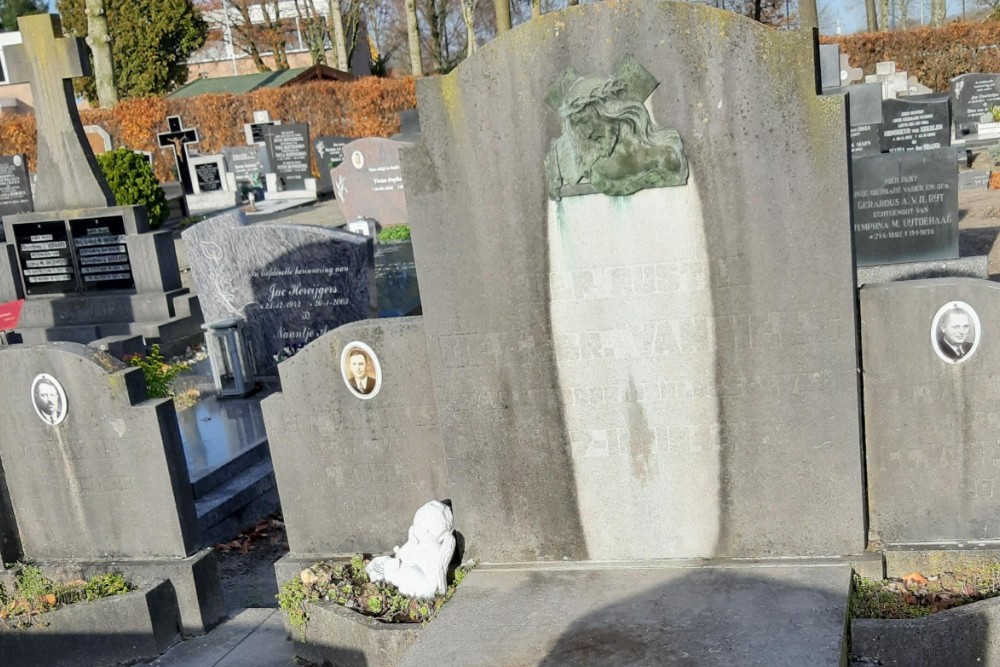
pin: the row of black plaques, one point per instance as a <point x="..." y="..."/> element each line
<point x="96" y="259"/>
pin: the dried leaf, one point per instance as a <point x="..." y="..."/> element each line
<point x="915" y="578"/>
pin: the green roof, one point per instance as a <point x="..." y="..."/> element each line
<point x="237" y="85"/>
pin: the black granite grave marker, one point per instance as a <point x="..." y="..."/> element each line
<point x="865" y="140"/>
<point x="288" y="151"/>
<point x="974" y="94"/>
<point x="209" y="176"/>
<point x="101" y="253"/>
<point x="258" y="131"/>
<point x="396" y="280"/>
<point x="15" y="188"/>
<point x="179" y="138"/>
<point x="329" y="154"/>
<point x="915" y="124"/>
<point x="906" y="207"/>
<point x="44" y="256"/>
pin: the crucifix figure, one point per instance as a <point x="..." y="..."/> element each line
<point x="178" y="137"/>
<point x="68" y="175"/>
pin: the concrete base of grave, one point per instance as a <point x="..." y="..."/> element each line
<point x="210" y="202"/>
<point x="613" y="615"/>
<point x="290" y="565"/>
<point x="931" y="559"/>
<point x="338" y="636"/>
<point x="172" y="319"/>
<point x="964" y="267"/>
<point x="967" y="635"/>
<point x="124" y="628"/>
<point x="195" y="580"/>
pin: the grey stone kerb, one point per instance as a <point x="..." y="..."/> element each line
<point x="68" y="174"/>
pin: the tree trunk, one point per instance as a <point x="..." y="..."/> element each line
<point x="502" y="10"/>
<point x="435" y="47"/>
<point x="871" y="15"/>
<point x="337" y="33"/>
<point x="938" y="11"/>
<point x="536" y="8"/>
<point x="100" y="45"/>
<point x="883" y="14"/>
<point x="808" y="17"/>
<point x="469" y="16"/>
<point x="413" y="37"/>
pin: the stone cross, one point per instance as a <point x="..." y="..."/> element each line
<point x="179" y="137"/>
<point x="68" y="174"/>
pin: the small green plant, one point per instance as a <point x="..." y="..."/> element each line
<point x="158" y="373"/>
<point x="132" y="181"/>
<point x="397" y="233"/>
<point x="348" y="585"/>
<point x="995" y="111"/>
<point x="31" y="583"/>
<point x="105" y="586"/>
<point x="34" y="593"/>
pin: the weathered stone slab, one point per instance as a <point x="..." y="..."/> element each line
<point x="973" y="180"/>
<point x="645" y="376"/>
<point x="360" y="444"/>
<point x="930" y="415"/>
<point x="292" y="283"/>
<point x="906" y="207"/>
<point x="369" y="183"/>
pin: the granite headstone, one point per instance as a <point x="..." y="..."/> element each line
<point x="973" y="180"/>
<point x="931" y="421"/>
<point x="369" y="183"/>
<point x="291" y="283"/>
<point x="15" y="188"/>
<point x="288" y="152"/>
<point x="329" y="155"/>
<point x="906" y="207"/>
<point x="396" y="280"/>
<point x="248" y="165"/>
<point x="915" y="124"/>
<point x="973" y="96"/>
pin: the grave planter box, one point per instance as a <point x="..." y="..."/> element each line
<point x="136" y="626"/>
<point x="966" y="635"/>
<point x="988" y="130"/>
<point x="339" y="636"/>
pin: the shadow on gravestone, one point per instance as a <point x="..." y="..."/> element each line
<point x="96" y="474"/>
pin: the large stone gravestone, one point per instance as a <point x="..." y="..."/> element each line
<point x="974" y="94"/>
<point x="15" y="188"/>
<point x="916" y="124"/>
<point x="88" y="268"/>
<point x="292" y="283"/>
<point x="931" y="415"/>
<point x="369" y="184"/>
<point x="288" y="152"/>
<point x="906" y="207"/>
<point x="640" y="373"/>
<point x="247" y="165"/>
<point x="96" y="475"/>
<point x="396" y="280"/>
<point x="326" y="441"/>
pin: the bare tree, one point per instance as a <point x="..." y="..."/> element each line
<point x="469" y="18"/>
<point x="100" y="45"/>
<point x="413" y="37"/>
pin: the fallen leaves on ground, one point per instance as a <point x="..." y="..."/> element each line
<point x="271" y="529"/>
<point x="914" y="595"/>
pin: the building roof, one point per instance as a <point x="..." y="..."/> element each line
<point x="238" y="85"/>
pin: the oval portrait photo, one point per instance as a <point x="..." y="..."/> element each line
<point x="955" y="332"/>
<point x="49" y="399"/>
<point x="361" y="370"/>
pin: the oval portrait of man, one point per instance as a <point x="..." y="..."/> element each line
<point x="49" y="399"/>
<point x="955" y="332"/>
<point x="361" y="370"/>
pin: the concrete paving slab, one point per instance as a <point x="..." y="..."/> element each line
<point x="643" y="617"/>
<point x="252" y="638"/>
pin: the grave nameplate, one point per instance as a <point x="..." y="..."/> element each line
<point x="906" y="207"/>
<point x="288" y="150"/>
<point x="208" y="177"/>
<point x="44" y="256"/>
<point x="973" y="180"/>
<point x="915" y="125"/>
<point x="369" y="183"/>
<point x="15" y="188"/>
<point x="101" y="253"/>
<point x="329" y="155"/>
<point x="257" y="132"/>
<point x="864" y="140"/>
<point x="292" y="283"/>
<point x="974" y="94"/>
<point x="396" y="280"/>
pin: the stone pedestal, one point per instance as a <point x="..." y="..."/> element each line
<point x="309" y="193"/>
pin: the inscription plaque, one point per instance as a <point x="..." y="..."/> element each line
<point x="915" y="125"/>
<point x="288" y="150"/>
<point x="44" y="256"/>
<point x="101" y="253"/>
<point x="974" y="94"/>
<point x="865" y="140"/>
<point x="209" y="177"/>
<point x="906" y="207"/>
<point x="15" y="189"/>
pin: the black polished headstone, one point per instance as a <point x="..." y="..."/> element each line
<point x="829" y="65"/>
<point x="865" y="103"/>
<point x="864" y="140"/>
<point x="257" y="131"/>
<point x="915" y="124"/>
<point x="288" y="151"/>
<point x="44" y="256"/>
<point x="209" y="176"/>
<point x="396" y="280"/>
<point x="15" y="188"/>
<point x="101" y="253"/>
<point x="329" y="154"/>
<point x="905" y="207"/>
<point x="974" y="94"/>
<point x="247" y="165"/>
<point x="178" y="138"/>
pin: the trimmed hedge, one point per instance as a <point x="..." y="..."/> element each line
<point x="933" y="55"/>
<point x="364" y="108"/>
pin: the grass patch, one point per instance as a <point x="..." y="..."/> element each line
<point x="915" y="595"/>
<point x="34" y="594"/>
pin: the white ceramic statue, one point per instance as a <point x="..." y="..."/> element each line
<point x="419" y="568"/>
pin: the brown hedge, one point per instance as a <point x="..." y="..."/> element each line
<point x="365" y="108"/>
<point x="933" y="55"/>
